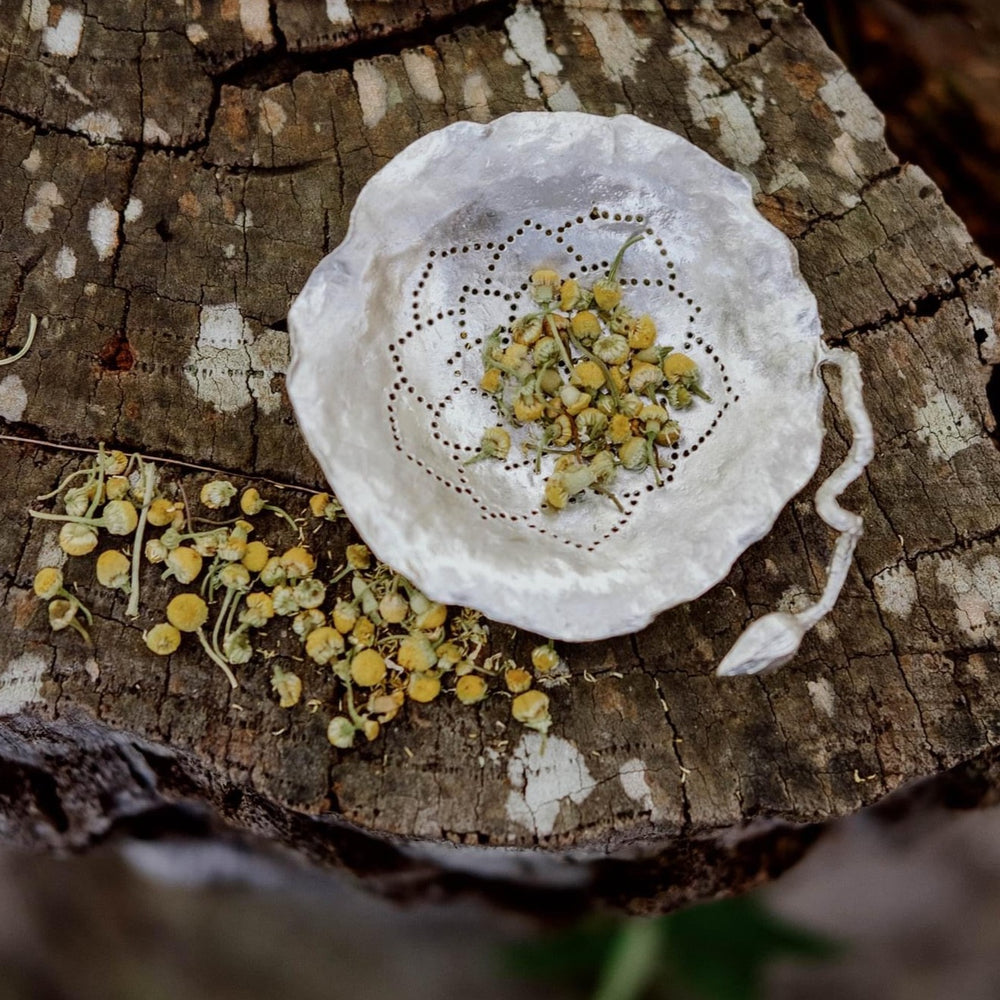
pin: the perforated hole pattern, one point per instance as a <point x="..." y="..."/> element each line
<point x="494" y="291"/>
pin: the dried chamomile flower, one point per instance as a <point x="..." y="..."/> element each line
<point x="155" y="551"/>
<point x="495" y="443"/>
<point x="256" y="557"/>
<point x="187" y="612"/>
<point x="234" y="548"/>
<point x="287" y="686"/>
<point x="323" y="644"/>
<point x="77" y="539"/>
<point x="423" y="687"/>
<point x="116" y="487"/>
<point x="607" y="291"/>
<point x="345" y="615"/>
<point x="545" y="658"/>
<point x="163" y="512"/>
<point x="306" y="622"/>
<point x="217" y="494"/>
<point x="470" y="689"/>
<point x="340" y="732"/>
<point x="416" y="653"/>
<point x="368" y="668"/>
<point x="113" y="463"/>
<point x="531" y="709"/>
<point x="544" y="283"/>
<point x="283" y="600"/>
<point x="363" y="633"/>
<point x="251" y="503"/>
<point x="393" y="607"/>
<point x="236" y="648"/>
<point x="432" y="617"/>
<point x="184" y="564"/>
<point x="162" y="639"/>
<point x="371" y="729"/>
<point x="297" y="562"/>
<point x="273" y="572"/>
<point x="48" y="582"/>
<point x="114" y="570"/>
<point x="358" y="557"/>
<point x="258" y="610"/>
<point x="517" y="680"/>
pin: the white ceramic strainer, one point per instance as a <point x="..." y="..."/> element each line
<point x="387" y="336"/>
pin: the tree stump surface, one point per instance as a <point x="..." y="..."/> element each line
<point x="171" y="175"/>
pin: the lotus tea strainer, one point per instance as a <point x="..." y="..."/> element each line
<point x="387" y="341"/>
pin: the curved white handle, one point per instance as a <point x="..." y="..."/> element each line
<point x="774" y="639"/>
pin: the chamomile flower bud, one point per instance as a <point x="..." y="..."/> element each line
<point x="259" y="610"/>
<point x="423" y="687"/>
<point x="116" y="488"/>
<point x="545" y="658"/>
<point x="256" y="556"/>
<point x="527" y="330"/>
<point x="586" y="326"/>
<point x="644" y="377"/>
<point x="528" y="408"/>
<point x="251" y="502"/>
<point x="612" y="349"/>
<point x="517" y="680"/>
<point x="217" y="494"/>
<point x="283" y="599"/>
<point x="236" y="647"/>
<point x="588" y="375"/>
<point x="495" y="443"/>
<point x="602" y="465"/>
<point x="207" y="542"/>
<point x="297" y="562"/>
<point x="492" y="380"/>
<point x="619" y="428"/>
<point x="371" y="729"/>
<point x="393" y="607"/>
<point x="318" y="503"/>
<point x="323" y="644"/>
<point x="621" y="322"/>
<point x="679" y="397"/>
<point x="470" y="689"/>
<point x="607" y="294"/>
<point x="651" y="355"/>
<point x="633" y="454"/>
<point x="432" y="617"/>
<point x="119" y="517"/>
<point x="573" y="296"/>
<point x="273" y="573"/>
<point x="544" y="283"/>
<point x="562" y="430"/>
<point x="306" y="622"/>
<point x="448" y="654"/>
<point x="643" y="333"/>
<point x="309" y="593"/>
<point x="162" y="639"/>
<point x="171" y="538"/>
<point x="77" y="539"/>
<point x="340" y="732"/>
<point x="77" y="501"/>
<point x="48" y="582"/>
<point x="287" y="686"/>
<point x="556" y="493"/>
<point x="345" y="615"/>
<point x="546" y="351"/>
<point x="574" y="400"/>
<point x="591" y="424"/>
<point x="114" y="462"/>
<point x="679" y="368"/>
<point x="531" y="709"/>
<point x="163" y="511"/>
<point x="550" y="382"/>
<point x="653" y="416"/>
<point x="358" y="557"/>
<point x="368" y="668"/>
<point x="416" y="653"/>
<point x="114" y="570"/>
<point x="62" y="614"/>
<point x="184" y="564"/>
<point x="669" y="433"/>
<point x="363" y="633"/>
<point x="187" y="612"/>
<point x="631" y="404"/>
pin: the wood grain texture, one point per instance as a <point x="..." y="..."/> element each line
<point x="137" y="214"/>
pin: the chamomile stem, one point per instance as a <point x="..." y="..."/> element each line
<point x="217" y="659"/>
<point x="32" y="326"/>
<point x="148" y="483"/>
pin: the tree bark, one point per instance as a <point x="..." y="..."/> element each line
<point x="171" y="167"/>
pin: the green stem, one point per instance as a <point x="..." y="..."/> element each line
<point x="217" y="660"/>
<point x="148" y="482"/>
<point x="76" y="602"/>
<point x="607" y="493"/>
<point x="99" y="492"/>
<point x="632" y="963"/>
<point x="604" y="368"/>
<point x="224" y="607"/>
<point x="32" y="326"/>
<point x="285" y="516"/>
<point x="616" y="263"/>
<point x="352" y="712"/>
<point x="65" y="483"/>
<point x="79" y="628"/>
